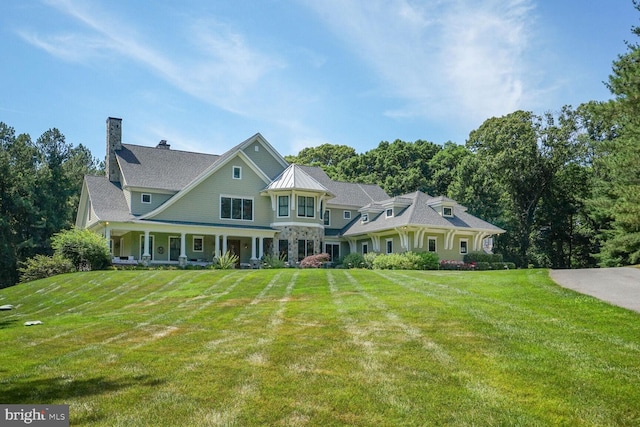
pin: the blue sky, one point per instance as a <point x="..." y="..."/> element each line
<point x="206" y="75"/>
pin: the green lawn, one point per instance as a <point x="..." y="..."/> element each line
<point x="320" y="347"/>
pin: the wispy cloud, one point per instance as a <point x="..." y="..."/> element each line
<point x="458" y="59"/>
<point x="218" y="66"/>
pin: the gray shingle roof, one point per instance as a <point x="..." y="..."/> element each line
<point x="346" y="193"/>
<point x="149" y="167"/>
<point x="420" y="213"/>
<point x="107" y="199"/>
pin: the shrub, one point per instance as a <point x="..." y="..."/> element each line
<point x="472" y="257"/>
<point x="226" y="261"/>
<point x="315" y="261"/>
<point x="41" y="266"/>
<point x="369" y="257"/>
<point x="395" y="261"/>
<point x="271" y="261"/>
<point x="428" y="261"/>
<point x="353" y="260"/>
<point x="86" y="250"/>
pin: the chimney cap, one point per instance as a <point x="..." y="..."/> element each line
<point x="163" y="145"/>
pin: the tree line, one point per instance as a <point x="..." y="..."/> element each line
<point x="565" y="185"/>
<point x="40" y="184"/>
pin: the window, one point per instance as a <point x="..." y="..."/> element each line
<point x="283" y="206"/>
<point x="283" y="249"/>
<point x="146" y="198"/>
<point x="327" y="218"/>
<point x="236" y="208"/>
<point x="346" y="214"/>
<point x="431" y="244"/>
<point x="305" y="248"/>
<point x="365" y="217"/>
<point x="389" y="246"/>
<point x="237" y="172"/>
<point x="198" y="243"/>
<point x="464" y="246"/>
<point x="306" y="206"/>
<point x="365" y="248"/>
<point x="333" y="249"/>
<point x="447" y="211"/>
<point x="389" y="213"/>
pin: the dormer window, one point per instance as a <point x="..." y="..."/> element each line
<point x="389" y="213"/>
<point x="447" y="211"/>
<point x="146" y="198"/>
<point x="365" y="217"/>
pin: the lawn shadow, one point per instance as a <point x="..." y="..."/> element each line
<point x="45" y="390"/>
<point x="5" y="323"/>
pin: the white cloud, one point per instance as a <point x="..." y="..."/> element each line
<point x="461" y="59"/>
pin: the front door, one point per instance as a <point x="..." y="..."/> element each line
<point x="233" y="246"/>
<point x="174" y="248"/>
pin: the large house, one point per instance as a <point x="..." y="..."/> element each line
<point x="158" y="205"/>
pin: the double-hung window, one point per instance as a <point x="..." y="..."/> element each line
<point x="283" y="206"/>
<point x="306" y="206"/>
<point x="236" y="208"/>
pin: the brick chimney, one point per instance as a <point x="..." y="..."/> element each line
<point x="114" y="143"/>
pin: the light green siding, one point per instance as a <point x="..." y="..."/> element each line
<point x="202" y="203"/>
<point x="139" y="208"/>
<point x="264" y="159"/>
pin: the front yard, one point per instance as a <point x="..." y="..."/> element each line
<point x="319" y="347"/>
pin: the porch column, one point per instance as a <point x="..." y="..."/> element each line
<point x="224" y="244"/>
<point x="107" y="235"/>
<point x="146" y="256"/>
<point x="217" y="248"/>
<point x="253" y="248"/>
<point x="182" y="259"/>
<point x="260" y="247"/>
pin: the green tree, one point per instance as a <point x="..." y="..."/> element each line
<point x="327" y="156"/>
<point x="85" y="249"/>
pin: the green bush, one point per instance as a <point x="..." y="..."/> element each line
<point x="226" y="261"/>
<point x="272" y="261"/>
<point x="475" y="257"/>
<point x="353" y="260"/>
<point x="85" y="249"/>
<point x="428" y="261"/>
<point x="41" y="266"/>
<point x="369" y="257"/>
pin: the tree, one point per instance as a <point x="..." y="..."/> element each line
<point x="327" y="156"/>
<point x="620" y="160"/>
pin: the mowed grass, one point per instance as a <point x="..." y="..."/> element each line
<point x="320" y="348"/>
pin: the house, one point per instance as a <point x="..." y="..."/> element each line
<point x="158" y="205"/>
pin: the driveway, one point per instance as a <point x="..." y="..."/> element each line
<point x="619" y="286"/>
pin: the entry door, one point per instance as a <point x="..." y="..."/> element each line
<point x="174" y="248"/>
<point x="233" y="246"/>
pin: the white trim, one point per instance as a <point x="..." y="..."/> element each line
<point x="233" y="172"/>
<point x="386" y="213"/>
<point x="278" y="205"/>
<point x="305" y="206"/>
<point x="142" y="198"/>
<point x="450" y="215"/>
<point x="193" y="243"/>
<point x="435" y="239"/>
<point x="466" y="242"/>
<point x="386" y="245"/>
<point x="326" y="214"/>
<point x="253" y="205"/>
<point x="152" y="242"/>
<point x="346" y="214"/>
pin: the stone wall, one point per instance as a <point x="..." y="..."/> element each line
<point x="294" y="233"/>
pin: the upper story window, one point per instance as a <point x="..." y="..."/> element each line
<point x="306" y="206"/>
<point x="365" y="217"/>
<point x="236" y="208"/>
<point x="389" y="213"/>
<point x="283" y="206"/>
<point x="237" y="172"/>
<point x="447" y="211"/>
<point x="145" y="198"/>
<point x="327" y="217"/>
<point x="346" y="214"/>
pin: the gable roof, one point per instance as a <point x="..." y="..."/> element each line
<point x="162" y="169"/>
<point x="346" y="193"/>
<point x="107" y="199"/>
<point x="419" y="213"/>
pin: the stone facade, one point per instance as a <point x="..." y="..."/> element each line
<point x="294" y="233"/>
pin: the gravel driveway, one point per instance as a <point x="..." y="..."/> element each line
<point x="618" y="286"/>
